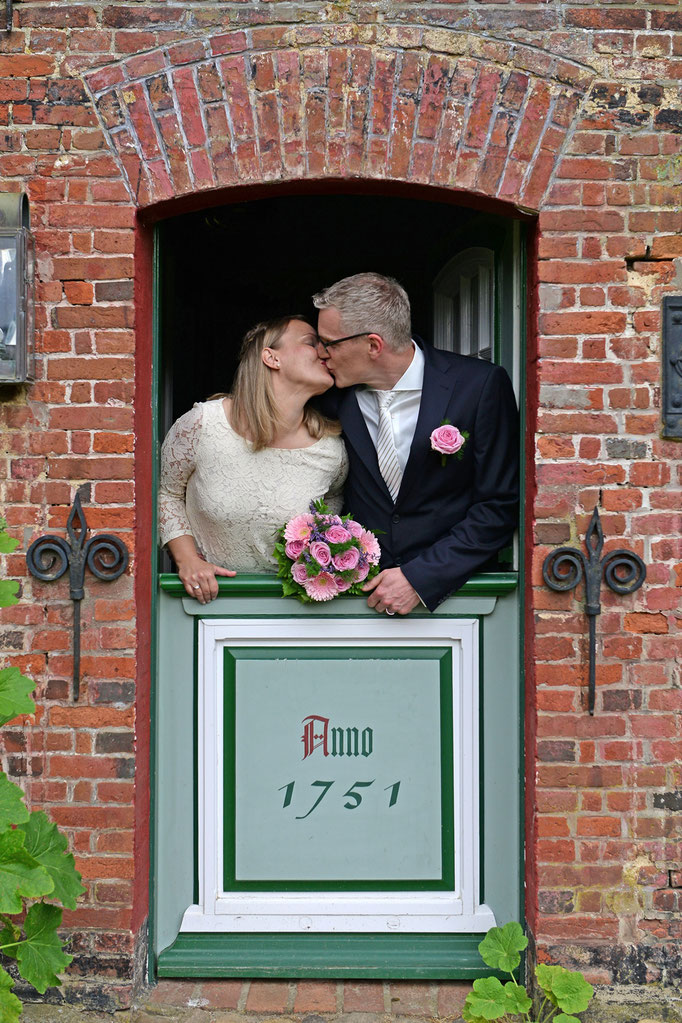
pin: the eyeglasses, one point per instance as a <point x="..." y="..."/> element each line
<point x="328" y="344"/>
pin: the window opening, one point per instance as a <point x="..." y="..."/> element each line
<point x="464" y="302"/>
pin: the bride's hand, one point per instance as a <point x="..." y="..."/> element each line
<point x="199" y="578"/>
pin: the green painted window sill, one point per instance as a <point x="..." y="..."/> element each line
<point x="377" y="956"/>
<point x="487" y="584"/>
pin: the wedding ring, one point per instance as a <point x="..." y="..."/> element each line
<point x="389" y="612"/>
<point x="196" y="586"/>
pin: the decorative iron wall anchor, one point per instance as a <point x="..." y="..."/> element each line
<point x="623" y="570"/>
<point x="48" y="558"/>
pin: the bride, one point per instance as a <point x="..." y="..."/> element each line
<point x="236" y="467"/>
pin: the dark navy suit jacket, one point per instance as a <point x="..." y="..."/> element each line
<point x="447" y="521"/>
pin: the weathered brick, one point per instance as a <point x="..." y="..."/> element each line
<point x="412" y="999"/>
<point x="315" y="996"/>
<point x="190" y="109"/>
<point x="92" y="369"/>
<point x="266" y="996"/>
<point x="91" y="269"/>
<point x="384" y="75"/>
<point x="20" y="65"/>
<point x="236" y="89"/>
<point x="364" y="996"/>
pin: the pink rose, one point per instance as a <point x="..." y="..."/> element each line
<point x="299" y="527"/>
<point x="299" y="573"/>
<point x="295" y="548"/>
<point x="346" y="560"/>
<point x="446" y="439"/>
<point x="354" y="528"/>
<point x="320" y="551"/>
<point x="337" y="534"/>
<point x="343" y="584"/>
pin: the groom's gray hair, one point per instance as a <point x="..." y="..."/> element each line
<point x="370" y="303"/>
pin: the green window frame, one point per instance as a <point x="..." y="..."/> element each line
<point x="493" y="599"/>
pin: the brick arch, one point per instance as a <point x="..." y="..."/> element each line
<point x="404" y="104"/>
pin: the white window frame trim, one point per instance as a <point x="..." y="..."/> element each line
<point x="388" y="912"/>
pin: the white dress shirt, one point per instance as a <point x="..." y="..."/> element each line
<point x="404" y="409"/>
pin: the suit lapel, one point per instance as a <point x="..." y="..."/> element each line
<point x="356" y="433"/>
<point x="439" y="383"/>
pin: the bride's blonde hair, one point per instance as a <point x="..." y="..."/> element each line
<point x="254" y="412"/>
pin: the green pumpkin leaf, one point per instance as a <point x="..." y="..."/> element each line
<point x="566" y="989"/>
<point x="40" y="957"/>
<point x="501" y="947"/>
<point x="563" y="1018"/>
<point x="48" y="846"/>
<point x="545" y="977"/>
<point x="8" y="592"/>
<point x="20" y="874"/>
<point x="469" y="1017"/>
<point x="517" y="998"/>
<point x="9" y="936"/>
<point x="12" y="807"/>
<point x="571" y="990"/>
<point x="10" y="1006"/>
<point x="7" y="542"/>
<point x="14" y="698"/>
<point x="488" y="999"/>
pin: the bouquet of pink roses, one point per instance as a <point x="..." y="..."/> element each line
<point x="321" y="555"/>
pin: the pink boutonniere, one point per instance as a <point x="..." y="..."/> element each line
<point x="447" y="440"/>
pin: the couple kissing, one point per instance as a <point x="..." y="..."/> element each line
<point x="420" y="445"/>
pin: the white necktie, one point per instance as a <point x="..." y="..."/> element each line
<point x="387" y="456"/>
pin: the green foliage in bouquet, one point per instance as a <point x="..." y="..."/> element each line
<point x="34" y="863"/>
<point x="565" y="991"/>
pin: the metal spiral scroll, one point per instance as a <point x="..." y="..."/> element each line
<point x="107" y="556"/>
<point x="624" y="572"/>
<point x="564" y="568"/>
<point x="634" y="571"/>
<point x="49" y="557"/>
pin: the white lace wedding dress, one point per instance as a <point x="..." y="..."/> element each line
<point x="233" y="500"/>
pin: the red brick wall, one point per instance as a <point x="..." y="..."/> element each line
<point x="569" y="111"/>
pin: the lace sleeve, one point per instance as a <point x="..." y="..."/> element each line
<point x="177" y="465"/>
<point x="334" y="496"/>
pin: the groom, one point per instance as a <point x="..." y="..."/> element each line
<point x="439" y="517"/>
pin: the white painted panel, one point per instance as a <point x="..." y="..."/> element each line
<point x="417" y="911"/>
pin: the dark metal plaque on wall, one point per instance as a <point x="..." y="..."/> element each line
<point x="672" y="367"/>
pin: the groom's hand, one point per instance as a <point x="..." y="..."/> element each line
<point x="390" y="591"/>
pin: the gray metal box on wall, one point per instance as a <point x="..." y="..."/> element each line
<point x="672" y="367"/>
